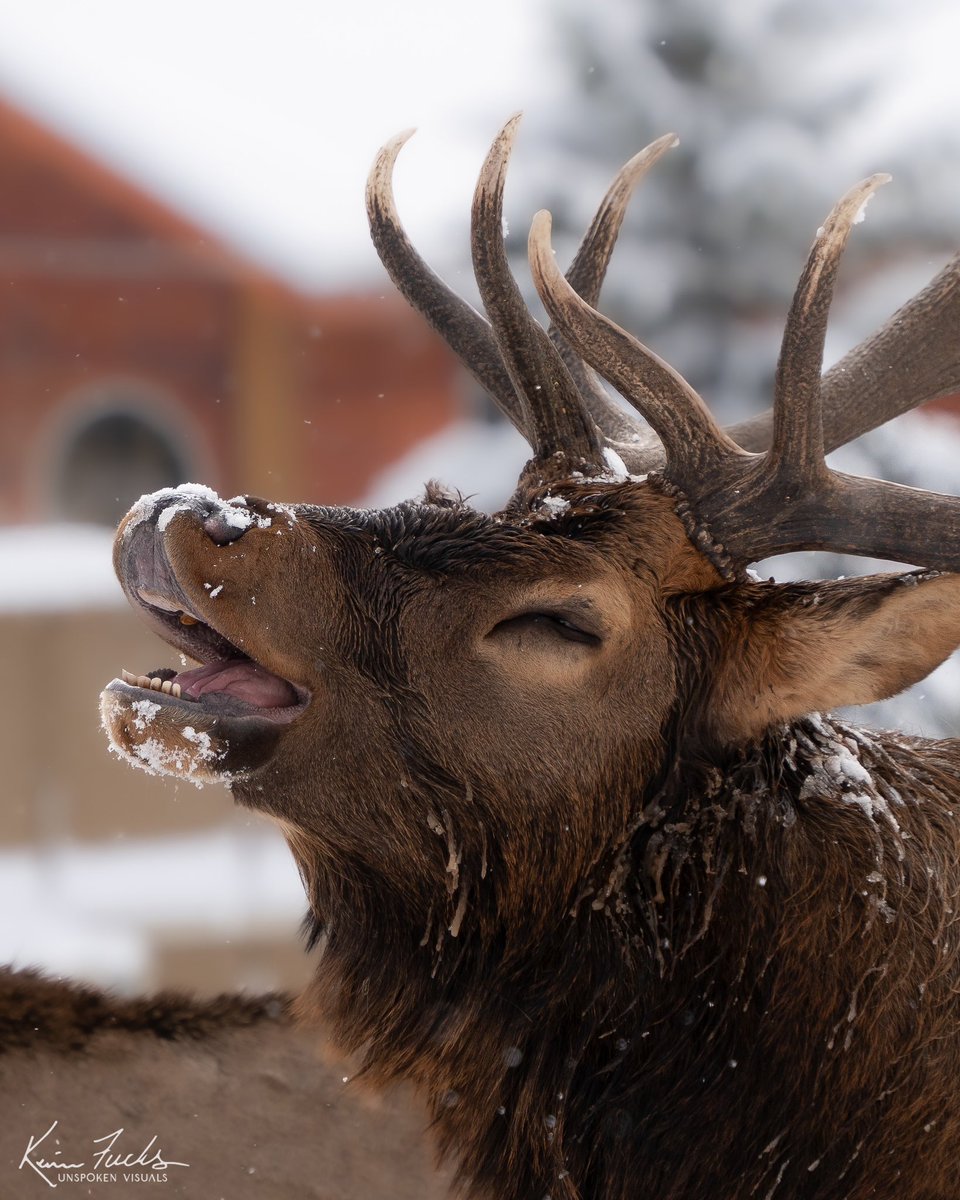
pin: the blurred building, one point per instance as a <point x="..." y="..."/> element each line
<point x="136" y="350"/>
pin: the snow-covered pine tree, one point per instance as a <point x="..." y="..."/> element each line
<point x="779" y="105"/>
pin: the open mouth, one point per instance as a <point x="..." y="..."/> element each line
<point x="224" y="717"/>
<point x="227" y="683"/>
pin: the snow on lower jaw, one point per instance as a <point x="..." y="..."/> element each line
<point x="195" y="761"/>
<point x="156" y="758"/>
<point x="146" y="710"/>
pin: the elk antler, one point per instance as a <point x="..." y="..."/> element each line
<point x="913" y="358"/>
<point x="458" y="323"/>
<point x="752" y="506"/>
<point x="557" y="420"/>
<point x="469" y="335"/>
<point x="586" y="275"/>
<point x="747" y="505"/>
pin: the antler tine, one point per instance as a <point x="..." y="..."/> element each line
<point x="690" y="436"/>
<point x="589" y="266"/>
<point x="558" y="419"/>
<point x="913" y="358"/>
<point x="464" y="329"/>
<point x="586" y="274"/>
<point x="797" y="449"/>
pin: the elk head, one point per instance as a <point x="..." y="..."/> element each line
<point x="539" y="645"/>
<point x="458" y="718"/>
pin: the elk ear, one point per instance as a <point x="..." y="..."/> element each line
<point x="799" y="648"/>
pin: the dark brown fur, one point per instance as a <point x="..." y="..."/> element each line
<point x="632" y="922"/>
<point x="36" y="1011"/>
<point x="682" y="1030"/>
<point x="257" y="1108"/>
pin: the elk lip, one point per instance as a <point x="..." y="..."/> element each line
<point x="228" y="682"/>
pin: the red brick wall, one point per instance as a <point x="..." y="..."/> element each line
<point x="375" y="381"/>
<point x="62" y="341"/>
<point x="275" y="392"/>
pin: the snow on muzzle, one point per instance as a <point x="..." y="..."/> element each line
<point x="213" y="721"/>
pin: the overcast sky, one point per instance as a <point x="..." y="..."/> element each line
<point x="263" y="119"/>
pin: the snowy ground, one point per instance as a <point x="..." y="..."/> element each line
<point x="49" y="568"/>
<point x="93" y="912"/>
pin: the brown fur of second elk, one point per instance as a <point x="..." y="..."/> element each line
<point x="586" y="865"/>
<point x="227" y="1096"/>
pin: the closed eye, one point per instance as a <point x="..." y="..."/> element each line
<point x="546" y="623"/>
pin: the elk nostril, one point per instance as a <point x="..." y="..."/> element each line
<point x="220" y="529"/>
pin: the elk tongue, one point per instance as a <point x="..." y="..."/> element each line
<point x="241" y="678"/>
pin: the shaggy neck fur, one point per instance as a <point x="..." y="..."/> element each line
<point x="723" y="1006"/>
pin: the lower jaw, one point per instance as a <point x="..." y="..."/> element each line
<point x="218" y="738"/>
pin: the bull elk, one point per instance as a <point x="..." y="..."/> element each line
<point x="587" y="863"/>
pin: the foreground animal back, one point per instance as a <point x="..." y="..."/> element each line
<point x="251" y="1106"/>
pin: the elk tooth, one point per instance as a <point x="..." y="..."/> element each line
<point x="167" y="686"/>
<point x="186" y="619"/>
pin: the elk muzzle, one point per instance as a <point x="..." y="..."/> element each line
<point x="184" y="558"/>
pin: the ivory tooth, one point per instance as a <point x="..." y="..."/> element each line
<point x="127" y="677"/>
<point x="143" y="681"/>
<point x="175" y="690"/>
<point x="156" y="685"/>
<point x="166" y="687"/>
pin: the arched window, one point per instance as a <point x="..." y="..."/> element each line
<point x="110" y="461"/>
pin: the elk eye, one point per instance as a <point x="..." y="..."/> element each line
<point x="549" y="623"/>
